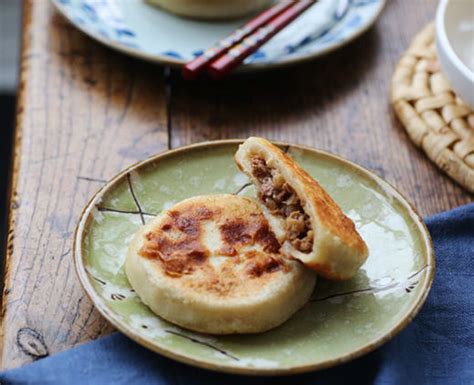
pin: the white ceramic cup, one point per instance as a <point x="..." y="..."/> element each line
<point x="455" y="45"/>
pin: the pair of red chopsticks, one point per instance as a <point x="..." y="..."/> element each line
<point x="229" y="53"/>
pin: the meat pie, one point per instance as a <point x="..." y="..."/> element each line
<point x="306" y="220"/>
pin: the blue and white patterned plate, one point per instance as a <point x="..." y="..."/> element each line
<point x="147" y="32"/>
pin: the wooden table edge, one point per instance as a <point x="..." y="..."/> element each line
<point x="14" y="169"/>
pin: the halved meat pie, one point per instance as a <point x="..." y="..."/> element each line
<point x="306" y="220"/>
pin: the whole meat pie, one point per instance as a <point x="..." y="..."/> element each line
<point x="212" y="264"/>
<point x="306" y="220"/>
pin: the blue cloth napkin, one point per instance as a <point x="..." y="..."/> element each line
<point x="437" y="348"/>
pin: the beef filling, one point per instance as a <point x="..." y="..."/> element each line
<point x="280" y="199"/>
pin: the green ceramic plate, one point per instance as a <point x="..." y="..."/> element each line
<point x="342" y="321"/>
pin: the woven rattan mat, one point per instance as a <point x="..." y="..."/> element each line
<point x="435" y="118"/>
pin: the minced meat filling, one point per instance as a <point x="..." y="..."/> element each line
<point x="280" y="199"/>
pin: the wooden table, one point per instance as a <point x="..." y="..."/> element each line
<point x="85" y="112"/>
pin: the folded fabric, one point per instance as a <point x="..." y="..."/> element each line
<point x="436" y="348"/>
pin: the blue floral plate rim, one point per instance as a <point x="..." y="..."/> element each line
<point x="257" y="62"/>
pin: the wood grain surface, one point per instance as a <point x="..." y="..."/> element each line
<point x="85" y="112"/>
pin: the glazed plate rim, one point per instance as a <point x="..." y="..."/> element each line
<point x="110" y="315"/>
<point x="258" y="66"/>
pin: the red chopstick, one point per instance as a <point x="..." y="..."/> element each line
<point x="237" y="54"/>
<point x="197" y="66"/>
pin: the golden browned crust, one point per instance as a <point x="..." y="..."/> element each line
<point x="310" y="225"/>
<point x="178" y="244"/>
<point x="328" y="211"/>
